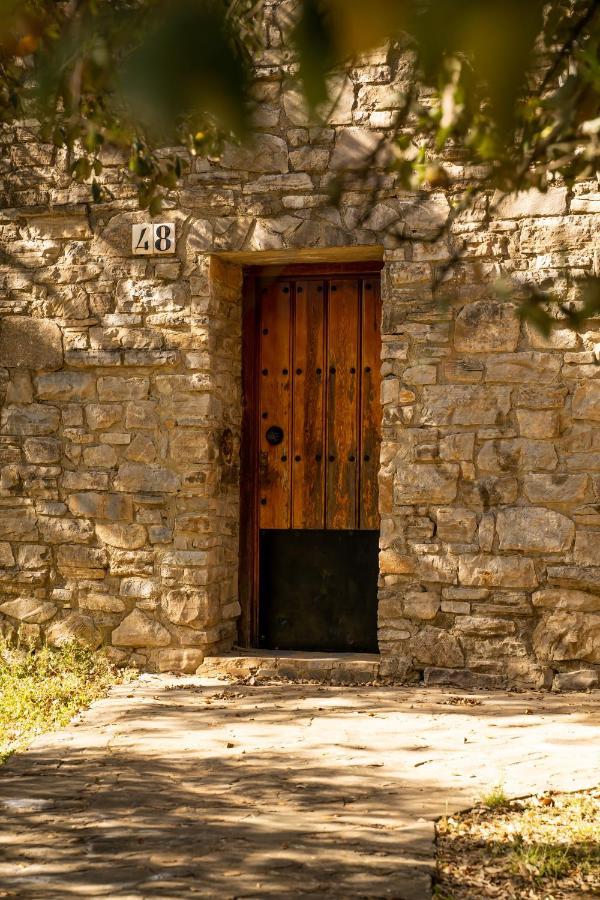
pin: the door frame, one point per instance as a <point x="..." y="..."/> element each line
<point x="248" y="579"/>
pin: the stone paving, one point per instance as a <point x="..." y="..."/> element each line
<point x="194" y="787"/>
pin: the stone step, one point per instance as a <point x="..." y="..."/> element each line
<point x="329" y="668"/>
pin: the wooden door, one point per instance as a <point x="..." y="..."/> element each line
<point x="318" y="412"/>
<point x="312" y="414"/>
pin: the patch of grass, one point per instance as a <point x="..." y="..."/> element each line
<point x="496" y="799"/>
<point x="42" y="689"/>
<point x="540" y="847"/>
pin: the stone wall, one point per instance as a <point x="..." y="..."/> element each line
<point x="121" y="397"/>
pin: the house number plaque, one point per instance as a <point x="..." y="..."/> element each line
<point x="153" y="239"/>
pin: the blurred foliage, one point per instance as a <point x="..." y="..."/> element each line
<point x="508" y="87"/>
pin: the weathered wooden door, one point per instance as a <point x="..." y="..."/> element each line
<point x="314" y="412"/>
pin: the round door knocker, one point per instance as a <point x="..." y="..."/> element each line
<point x="274" y="435"/>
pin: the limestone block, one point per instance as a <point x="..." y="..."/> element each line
<point x="141" y="449"/>
<point x="190" y="444"/>
<point x="486" y="531"/>
<point x="529" y="365"/>
<point x="265" y="153"/>
<point x="584" y="577"/>
<point x="19" y="389"/>
<point x="123" y="388"/>
<point x="392" y="562"/>
<point x="568" y="636"/>
<point x="436" y="647"/>
<point x="125" y="537"/>
<point x="538" y="423"/>
<point x="18" y="523"/>
<point x="184" y="605"/>
<point x="27" y="343"/>
<point x="437" y="568"/>
<point x="586" y="401"/>
<point x="420" y="605"/>
<point x="580" y="680"/>
<point x="534" y="529"/>
<point x="139" y="630"/>
<point x="540" y="396"/>
<point x="184" y="660"/>
<point x="75" y="629"/>
<point x="6" y="555"/>
<point x="484" y="626"/>
<point x="136" y="477"/>
<point x="102" y="457"/>
<point x="33" y="556"/>
<point x="42" y="450"/>
<point x="414" y="483"/>
<point x="486" y="570"/>
<point x="531" y="202"/>
<point x="61" y="530"/>
<point x="34" y="419"/>
<point x="563" y="598"/>
<point x="141" y="414"/>
<point x="516" y="454"/>
<point x="456" y="525"/>
<point x="66" y="386"/>
<point x="454" y="404"/>
<point x="457" y="447"/>
<point x="96" y="602"/>
<point x="113" y="507"/>
<point x="486" y="326"/>
<point x="77" y="561"/>
<point x="353" y="146"/>
<point x="28" y="609"/>
<point x="103" y="415"/>
<point x="145" y="588"/>
<point x="587" y="548"/>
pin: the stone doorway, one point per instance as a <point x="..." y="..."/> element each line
<point x="311" y="436"/>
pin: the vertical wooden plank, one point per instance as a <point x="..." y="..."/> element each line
<point x="370" y="413"/>
<point x="248" y="572"/>
<point x="274" y="382"/>
<point x="342" y="403"/>
<point x="308" y="463"/>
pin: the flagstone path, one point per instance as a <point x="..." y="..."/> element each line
<point x="192" y="787"/>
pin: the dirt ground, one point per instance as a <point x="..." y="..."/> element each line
<point x="193" y="787"/>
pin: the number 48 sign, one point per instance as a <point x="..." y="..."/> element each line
<point x="153" y="240"/>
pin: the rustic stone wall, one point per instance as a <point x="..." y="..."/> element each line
<point x="121" y="397"/>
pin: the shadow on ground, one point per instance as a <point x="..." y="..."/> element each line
<point x="173" y="788"/>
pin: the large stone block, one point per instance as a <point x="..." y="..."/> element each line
<point x="265" y="153"/>
<point x="18" y="523"/>
<point x="486" y="326"/>
<point x="65" y="386"/>
<point x="586" y="401"/>
<point x="125" y="537"/>
<point x="27" y="343"/>
<point x="28" y="609"/>
<point x="456" y="525"/>
<point x="436" y="647"/>
<point x="534" y="529"/>
<point x="185" y="605"/>
<point x="563" y="598"/>
<point x="531" y="202"/>
<point x="393" y="562"/>
<point x="76" y="560"/>
<point x="565" y="636"/>
<point x="486" y="570"/>
<point x="555" y="488"/>
<point x="139" y="630"/>
<point x="179" y="659"/>
<point x="529" y="365"/>
<point x="453" y="404"/>
<point x="414" y="483"/>
<point x="75" y="629"/>
<point x="113" y="507"/>
<point x="587" y="548"/>
<point x="63" y="530"/>
<point x="34" y="419"/>
<point x="516" y="455"/>
<point x="123" y="388"/>
<point x="136" y="477"/>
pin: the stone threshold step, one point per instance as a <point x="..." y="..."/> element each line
<point x="346" y="668"/>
